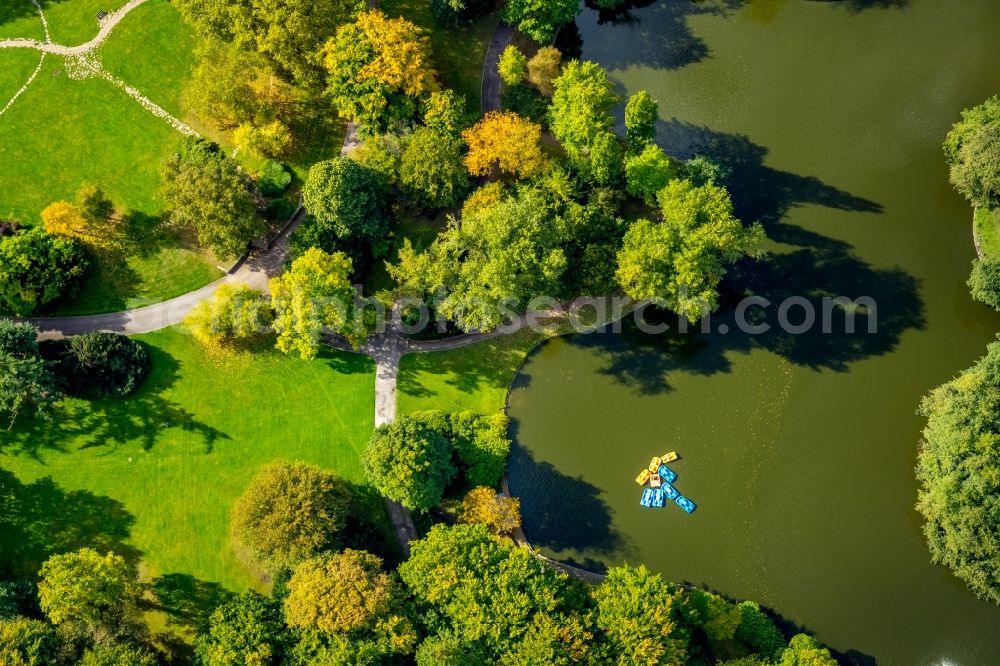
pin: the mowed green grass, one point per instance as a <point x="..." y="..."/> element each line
<point x="459" y="51"/>
<point x="988" y="231"/>
<point x="71" y="22"/>
<point x="474" y="377"/>
<point x="177" y="453"/>
<point x="16" y="66"/>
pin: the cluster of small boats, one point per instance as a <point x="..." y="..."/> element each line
<point x="658" y="479"/>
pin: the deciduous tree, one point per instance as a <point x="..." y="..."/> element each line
<point x="431" y="169"/>
<point x="207" y="191"/>
<point x="648" y="172"/>
<point x="984" y="283"/>
<point x="37" y="268"/>
<point x="641" y="114"/>
<point x="346" y="203"/>
<point x="26" y="642"/>
<point x="505" y="141"/>
<point x="409" y="462"/>
<point x="378" y="69"/>
<point x="581" y="106"/>
<point x="513" y="65"/>
<point x="540" y="19"/>
<point x="248" y="630"/>
<point x="972" y="149"/>
<point x="681" y="260"/>
<point x="343" y="592"/>
<point x="235" y="314"/>
<point x="482" y="505"/>
<point x="543" y="68"/>
<point x="313" y="295"/>
<point x="288" y="513"/>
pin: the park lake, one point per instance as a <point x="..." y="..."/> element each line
<point x="799" y="450"/>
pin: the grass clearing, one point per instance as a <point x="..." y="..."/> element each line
<point x="459" y="51"/>
<point x="16" y="66"/>
<point x="154" y="475"/>
<point x="987" y="227"/>
<point x="474" y="377"/>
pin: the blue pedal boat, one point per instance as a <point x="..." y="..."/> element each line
<point x="659" y="499"/>
<point x="667" y="474"/>
<point x="647" y="497"/>
<point x="670" y="492"/>
<point x="686" y="504"/>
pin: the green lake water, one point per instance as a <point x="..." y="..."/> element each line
<point x="799" y="450"/>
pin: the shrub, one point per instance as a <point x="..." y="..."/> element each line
<point x="105" y="364"/>
<point x="274" y="179"/>
<point x="280" y="210"/>
<point x="288" y="513"/>
<point x="37" y="268"/>
<point x="984" y="283"/>
<point x="9" y="227"/>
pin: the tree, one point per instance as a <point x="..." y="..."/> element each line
<point x="236" y="313"/>
<point x="959" y="473"/>
<point x="984" y="283"/>
<point x="445" y="112"/>
<point x="342" y="592"/>
<point x="540" y="19"/>
<point x="37" y="268"/>
<point x="543" y="68"/>
<point x="287" y="34"/>
<point x="505" y="141"/>
<point x="758" y="632"/>
<point x="636" y="612"/>
<point x="647" y="173"/>
<point x="481" y="446"/>
<point x="248" y="630"/>
<point x="207" y="192"/>
<point x="91" y="219"/>
<point x="26" y="642"/>
<point x="448" y="650"/>
<point x="431" y="169"/>
<point x="346" y="203"/>
<point x="804" y="650"/>
<point x="378" y="69"/>
<point x="482" y="505"/>
<point x="489" y="593"/>
<point x="641" y="114"/>
<point x="93" y="593"/>
<point x="288" y="513"/>
<point x="581" y="106"/>
<point x="513" y="65"/>
<point x="680" y="261"/>
<point x="409" y="462"/>
<point x="702" y="170"/>
<point x="972" y="150"/>
<point x="313" y="295"/>
<point x="495" y="262"/>
<point x="99" y="364"/>
<point x="121" y="654"/>
<point x="274" y="178"/>
<point x="25" y="378"/>
<point x="606" y="159"/>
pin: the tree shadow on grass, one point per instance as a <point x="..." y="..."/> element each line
<point x="109" y="423"/>
<point x="563" y="513"/>
<point x="345" y="363"/>
<point x="186" y="600"/>
<point x="40" y="519"/>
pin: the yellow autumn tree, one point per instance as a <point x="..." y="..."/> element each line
<point x="505" y="141"/>
<point x="91" y="218"/>
<point x="501" y="514"/>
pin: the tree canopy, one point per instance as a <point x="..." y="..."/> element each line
<point x="378" y="70"/>
<point x="341" y="592"/>
<point x="347" y="206"/>
<point x="248" y="630"/>
<point x="234" y="314"/>
<point x="26" y="380"/>
<point x="288" y="513"/>
<point x="540" y="19"/>
<point x="431" y="170"/>
<point x="680" y="261"/>
<point x="207" y="191"/>
<point x="972" y="149"/>
<point x="581" y="107"/>
<point x="314" y="294"/>
<point x="505" y="141"/>
<point x="36" y="268"/>
<point x="959" y="473"/>
<point x="409" y="462"/>
<point x="641" y="114"/>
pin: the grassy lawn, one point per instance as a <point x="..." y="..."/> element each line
<point x="474" y="377"/>
<point x="73" y="22"/>
<point x="459" y="51"/>
<point x="16" y="66"/>
<point x="988" y="231"/>
<point x="154" y="476"/>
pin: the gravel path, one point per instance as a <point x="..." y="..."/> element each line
<point x="107" y="25"/>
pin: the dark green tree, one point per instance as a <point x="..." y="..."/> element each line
<point x="431" y="170"/>
<point x="984" y="283"/>
<point x="540" y="19"/>
<point x="37" y="268"/>
<point x="972" y="149"/>
<point x="409" y="462"/>
<point x="347" y="205"/>
<point x="100" y="364"/>
<point x="248" y="630"/>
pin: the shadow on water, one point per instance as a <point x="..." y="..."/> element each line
<point x="111" y="422"/>
<point x="558" y="500"/>
<point x="40" y="519"/>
